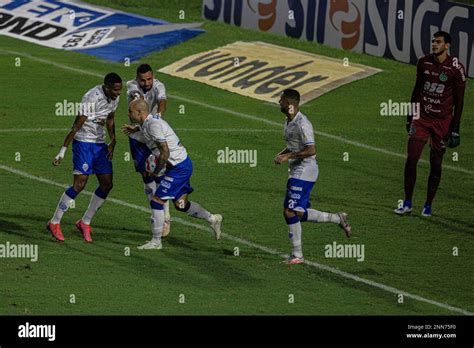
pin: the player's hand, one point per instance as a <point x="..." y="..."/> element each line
<point x="128" y="129"/>
<point x="57" y="161"/>
<point x="454" y="140"/>
<point x="110" y="149"/>
<point x="280" y="159"/>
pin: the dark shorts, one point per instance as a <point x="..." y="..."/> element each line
<point x="436" y="130"/>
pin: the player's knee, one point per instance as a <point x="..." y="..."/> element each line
<point x="158" y="200"/>
<point x="288" y="213"/>
<point x="182" y="204"/>
<point x="79" y="185"/>
<point x="107" y="187"/>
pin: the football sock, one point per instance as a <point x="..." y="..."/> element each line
<point x="149" y="186"/>
<point x="98" y="198"/>
<point x="195" y="210"/>
<point x="157" y="220"/>
<point x="313" y="215"/>
<point x="63" y="205"/>
<point x="167" y="210"/>
<point x="294" y="227"/>
<point x="415" y="148"/>
<point x="436" y="159"/>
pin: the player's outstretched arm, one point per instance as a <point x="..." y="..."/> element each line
<point x="111" y="131"/>
<point x="78" y="122"/>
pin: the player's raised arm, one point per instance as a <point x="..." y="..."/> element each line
<point x="78" y="122"/>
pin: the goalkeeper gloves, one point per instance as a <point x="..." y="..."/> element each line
<point x="454" y="139"/>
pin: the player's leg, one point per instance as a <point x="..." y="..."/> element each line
<point x="316" y="216"/>
<point x="166" y="208"/>
<point x="416" y="143"/>
<point x="439" y="131"/>
<point x="197" y="211"/>
<point x="82" y="168"/>
<point x="294" y="233"/>
<point x="102" y="167"/>
<point x="140" y="153"/>
<point x="296" y="202"/>
<point x="157" y="224"/>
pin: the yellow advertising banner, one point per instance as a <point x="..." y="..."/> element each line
<point x="262" y="71"/>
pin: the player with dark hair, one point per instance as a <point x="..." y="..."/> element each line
<point x="91" y="155"/>
<point x="300" y="152"/>
<point x="439" y="95"/>
<point x="145" y="86"/>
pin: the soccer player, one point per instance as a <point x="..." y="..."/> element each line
<point x="176" y="182"/>
<point x="300" y="152"/>
<point x="146" y="87"/>
<point x="439" y="95"/>
<point x="91" y="155"/>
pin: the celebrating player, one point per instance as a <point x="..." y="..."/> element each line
<point x="439" y="88"/>
<point x="90" y="153"/>
<point x="175" y="185"/>
<point x="300" y="152"/>
<point x="151" y="90"/>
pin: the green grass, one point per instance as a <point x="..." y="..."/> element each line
<point x="413" y="254"/>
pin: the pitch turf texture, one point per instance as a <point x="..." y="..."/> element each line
<point x="412" y="254"/>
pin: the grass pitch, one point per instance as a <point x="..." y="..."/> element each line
<point x="412" y="254"/>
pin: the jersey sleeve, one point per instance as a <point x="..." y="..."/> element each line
<point x="161" y="90"/>
<point x="156" y="132"/>
<point x="416" y="94"/>
<point x="87" y="105"/>
<point x="458" y="94"/>
<point x="307" y="134"/>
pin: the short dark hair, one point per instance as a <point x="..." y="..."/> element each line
<point x="143" y="68"/>
<point x="445" y="35"/>
<point x="292" y="94"/>
<point x="112" y="78"/>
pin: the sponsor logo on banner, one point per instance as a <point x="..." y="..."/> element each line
<point x="399" y="30"/>
<point x="262" y="71"/>
<point x="93" y="30"/>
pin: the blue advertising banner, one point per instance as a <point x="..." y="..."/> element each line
<point x="98" y="31"/>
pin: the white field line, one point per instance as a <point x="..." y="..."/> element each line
<point x="242" y="115"/>
<point x="257" y="246"/>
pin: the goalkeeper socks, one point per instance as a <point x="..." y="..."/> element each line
<point x="195" y="210"/>
<point x="313" y="215"/>
<point x="294" y="226"/>
<point x="98" y="198"/>
<point x="69" y="195"/>
<point x="157" y="220"/>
